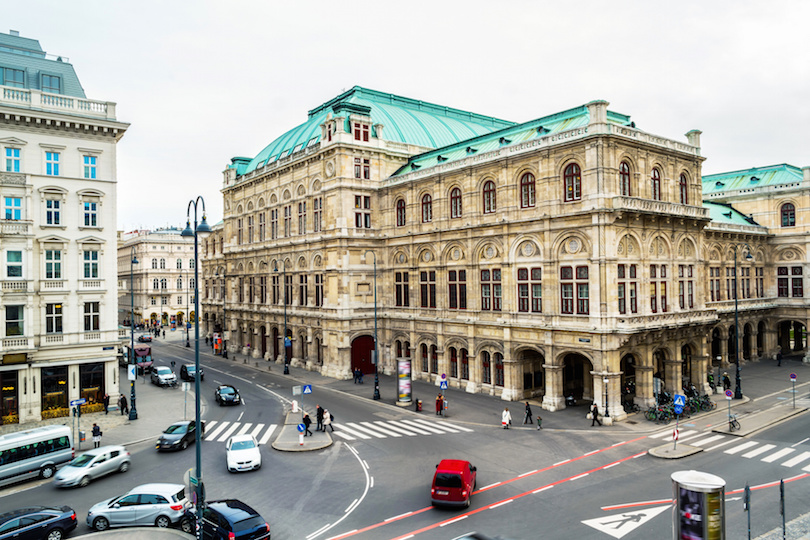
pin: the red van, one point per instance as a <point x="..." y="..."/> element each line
<point x="453" y="483"/>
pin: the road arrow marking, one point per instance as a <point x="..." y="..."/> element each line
<point x="618" y="525"/>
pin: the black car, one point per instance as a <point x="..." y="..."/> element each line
<point x="178" y="436"/>
<point x="38" y="523"/>
<point x="188" y="371"/>
<point x="226" y="394"/>
<point x="144" y="338"/>
<point x="229" y="519"/>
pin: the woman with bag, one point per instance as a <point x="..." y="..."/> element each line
<point x="327" y="420"/>
<point x="506" y="418"/>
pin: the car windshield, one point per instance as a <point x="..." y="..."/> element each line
<point x="164" y="371"/>
<point x="242" y="445"/>
<point x="227" y="390"/>
<point x="250" y="523"/>
<point x="448" y="480"/>
<point x="191" y="369"/>
<point x="81" y="461"/>
<point x="176" y="428"/>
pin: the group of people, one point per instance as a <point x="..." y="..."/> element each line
<point x="323" y="418"/>
<point x="358" y="376"/>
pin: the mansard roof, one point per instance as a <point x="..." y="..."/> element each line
<point x="26" y="55"/>
<point x="782" y="175"/>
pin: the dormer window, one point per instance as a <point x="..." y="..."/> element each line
<point x="361" y="132"/>
<point x="51" y="84"/>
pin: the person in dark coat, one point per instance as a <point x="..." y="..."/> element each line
<point x="726" y="381"/>
<point x="528" y="418"/>
<point x="439" y="404"/>
<point x="96" y="436"/>
<point x="106" y="402"/>
<point x="319" y="418"/>
<point x="595" y="415"/>
<point x="307" y="423"/>
<point x="122" y="404"/>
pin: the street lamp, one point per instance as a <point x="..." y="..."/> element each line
<point x="199" y="230"/>
<point x="224" y="313"/>
<point x="284" y="339"/>
<point x="185" y="322"/>
<point x="376" y="353"/>
<point x="133" y="412"/>
<point x="606" y="381"/>
<point x="748" y="257"/>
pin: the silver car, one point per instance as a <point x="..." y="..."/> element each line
<point x="93" y="464"/>
<point x="150" y="504"/>
<point x="163" y="376"/>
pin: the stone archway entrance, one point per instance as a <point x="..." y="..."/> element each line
<point x="792" y="337"/>
<point x="533" y="373"/>
<point x="577" y="379"/>
<point x="362" y="347"/>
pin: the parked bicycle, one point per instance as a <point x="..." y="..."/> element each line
<point x="733" y="423"/>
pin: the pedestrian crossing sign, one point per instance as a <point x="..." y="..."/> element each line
<point x="307" y="389"/>
<point x="680" y="400"/>
<point x="443" y="385"/>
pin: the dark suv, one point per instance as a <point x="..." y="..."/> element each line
<point x="229" y="519"/>
<point x="38" y="523"/>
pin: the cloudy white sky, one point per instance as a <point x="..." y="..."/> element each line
<point x="202" y="81"/>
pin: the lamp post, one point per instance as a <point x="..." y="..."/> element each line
<point x="376" y="353"/>
<point x="133" y="412"/>
<point x="284" y="296"/>
<point x="224" y="313"/>
<point x="202" y="229"/>
<point x="738" y="387"/>
<point x="185" y="322"/>
<point x="605" y="380"/>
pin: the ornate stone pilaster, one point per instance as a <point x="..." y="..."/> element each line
<point x="553" y="399"/>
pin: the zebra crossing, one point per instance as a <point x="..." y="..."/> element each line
<point x="220" y="431"/>
<point x="749" y="449"/>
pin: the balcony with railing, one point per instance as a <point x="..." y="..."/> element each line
<point x="13" y="227"/>
<point x="638" y="205"/>
<point x="36" y="99"/>
<point x="16" y="286"/>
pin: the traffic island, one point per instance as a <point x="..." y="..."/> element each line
<point x="291" y="440"/>
<point x="668" y="452"/>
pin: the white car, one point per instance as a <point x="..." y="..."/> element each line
<point x="243" y="453"/>
<point x="163" y="376"/>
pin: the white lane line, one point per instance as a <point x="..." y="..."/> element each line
<point x="777" y="455"/>
<point x="345" y="435"/>
<point x="507" y="501"/>
<point x="372" y="427"/>
<point x="456" y="426"/>
<point x="561" y="462"/>
<point x="735" y="439"/>
<point x="489" y="486"/>
<point x="393" y="427"/>
<point x="228" y="432"/>
<point x="245" y="428"/>
<point x="542" y="489"/>
<point x="800" y="442"/>
<point x="798" y="459"/>
<point x="424" y="425"/>
<point x="240" y="416"/>
<point x="399" y="516"/>
<point x="708" y="440"/>
<point x="256" y="430"/>
<point x="741" y="447"/>
<point x="414" y="428"/>
<point x="527" y="473"/>
<point x="611" y="465"/>
<point x="689" y="435"/>
<point x="268" y="434"/>
<point x="362" y="429"/>
<point x="350" y="506"/>
<point x="208" y="425"/>
<point x="592" y="452"/>
<point x="213" y="434"/>
<point x="578" y="477"/>
<point x="319" y="531"/>
<point x="757" y="451"/>
<point x="453" y="521"/>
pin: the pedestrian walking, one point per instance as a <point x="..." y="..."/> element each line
<point x="439" y="404"/>
<point x="164" y="332"/>
<point x="506" y="418"/>
<point x="354" y="374"/>
<point x="327" y="420"/>
<point x="539" y="423"/>
<point x="319" y="418"/>
<point x="726" y="381"/>
<point x="779" y="357"/>
<point x="595" y="415"/>
<point x="106" y="401"/>
<point x="307" y="423"/>
<point x="96" y="436"/>
<point x="528" y="418"/>
<point x="122" y="404"/>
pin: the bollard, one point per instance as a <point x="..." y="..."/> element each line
<point x="418" y="403"/>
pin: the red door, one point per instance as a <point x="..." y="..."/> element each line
<point x="361" y="354"/>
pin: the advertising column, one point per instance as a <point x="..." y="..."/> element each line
<point x="404" y="396"/>
<point x="700" y="507"/>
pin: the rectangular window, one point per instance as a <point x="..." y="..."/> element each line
<point x="318" y="290"/>
<point x="457" y="289"/>
<point x="14" y="264"/>
<point x="15" y="321"/>
<point x="316" y="214"/>
<point x="263" y="290"/>
<point x="276" y="296"/>
<point x="53" y="212"/>
<point x="288" y="221"/>
<point x="566" y="290"/>
<point x="491" y="292"/>
<point x="658" y="288"/>
<point x="13" y="208"/>
<point x="797" y="282"/>
<point x="251" y="295"/>
<point x="14" y="77"/>
<point x="274" y="224"/>
<point x="250" y="230"/>
<point x="90" y="214"/>
<point x="302" y="218"/>
<point x="53" y="318"/>
<point x="402" y="291"/>
<point x="759" y="282"/>
<point x="745" y="282"/>
<point x="53" y="264"/>
<point x="241" y="289"/>
<point x="239" y="228"/>
<point x="362" y="214"/>
<point x="714" y="283"/>
<point x="91" y="315"/>
<point x="366" y="169"/>
<point x="12" y="160"/>
<point x="51" y="84"/>
<point x="627" y="287"/>
<point x="583" y="293"/>
<point x="52" y="163"/>
<point x="302" y="290"/>
<point x="90" y="264"/>
<point x="530" y="290"/>
<point x="427" y="288"/>
<point x="685" y="286"/>
<point x="90" y="167"/>
<point x="261" y="226"/>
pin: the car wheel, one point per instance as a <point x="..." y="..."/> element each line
<point x="56" y="534"/>
<point x="101" y="524"/>
<point x="187" y="525"/>
<point x="467" y="504"/>
<point x="124" y="467"/>
<point x="84" y="482"/>
<point x="184" y="445"/>
<point x="162" y="522"/>
<point x="47" y="471"/>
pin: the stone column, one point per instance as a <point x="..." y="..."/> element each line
<point x="511" y="379"/>
<point x="755" y="356"/>
<point x="645" y="395"/>
<point x="724" y="351"/>
<point x="553" y="400"/>
<point x="614" y="396"/>
<point x="673" y="381"/>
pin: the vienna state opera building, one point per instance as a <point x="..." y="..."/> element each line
<point x="571" y="255"/>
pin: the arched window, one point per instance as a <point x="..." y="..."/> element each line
<point x="573" y="183"/>
<point x="489" y="197"/>
<point x="788" y="213"/>
<point x="427" y="208"/>
<point x="424" y="358"/>
<point x="401" y="213"/>
<point x="162" y="263"/>
<point x="655" y="184"/>
<point x="453" y="363"/>
<point x="499" y="369"/>
<point x="179" y="284"/>
<point x="527" y="190"/>
<point x="179" y="264"/>
<point x="465" y="365"/>
<point x="624" y="179"/>
<point x="683" y="188"/>
<point x="486" y="369"/>
<point x="434" y="359"/>
<point x="155" y="284"/>
<point x="163" y="283"/>
<point x="455" y="203"/>
<point x="399" y="349"/>
<point x="154" y="263"/>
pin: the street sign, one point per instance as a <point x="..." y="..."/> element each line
<point x="193" y="480"/>
<point x="444" y="376"/>
<point x="678" y="409"/>
<point x="792" y="376"/>
<point x="729" y="394"/>
<point x="80" y="401"/>
<point x="130" y="372"/>
<point x="301" y="428"/>
<point x="443" y="385"/>
<point x="680" y="400"/>
<point x="675" y="434"/>
<point x="296" y="390"/>
<point x="307" y="389"/>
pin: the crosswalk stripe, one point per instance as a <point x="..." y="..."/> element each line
<point x="209" y="425"/>
<point x="798" y="459"/>
<point x="806" y="469"/>
<point x="440" y="425"/>
<point x="244" y="428"/>
<point x="708" y="440"/>
<point x="777" y="455"/>
<point x="228" y="432"/>
<point x="416" y="428"/>
<point x="690" y="435"/>
<point x="661" y="434"/>
<point x="372" y="427"/>
<point x="456" y="426"/>
<point x="366" y="430"/>
<point x="395" y="427"/>
<point x="761" y="450"/>
<point x="256" y="430"/>
<point x="267" y="434"/>
<point x="741" y="447"/>
<point x="212" y="434"/>
<point x="426" y="425"/>
<point x="357" y="434"/>
<point x="345" y="435"/>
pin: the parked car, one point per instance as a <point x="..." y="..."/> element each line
<point x="37" y="523"/>
<point x="145" y="338"/>
<point x="93" y="464"/>
<point x="150" y="504"/>
<point x="227" y="394"/>
<point x="188" y="371"/>
<point x="453" y="483"/>
<point x="228" y="519"/>
<point x="163" y="376"/>
<point x="178" y="436"/>
<point x="242" y="453"/>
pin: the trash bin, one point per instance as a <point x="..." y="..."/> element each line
<point x="81" y="436"/>
<point x="418" y="405"/>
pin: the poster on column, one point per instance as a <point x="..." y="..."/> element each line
<point x="404" y="381"/>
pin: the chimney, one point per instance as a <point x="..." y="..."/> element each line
<point x="806" y="174"/>
<point x="597" y="111"/>
<point x="694" y="137"/>
<point x="14" y="32"/>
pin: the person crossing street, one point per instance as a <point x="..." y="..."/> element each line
<point x="528" y="418"/>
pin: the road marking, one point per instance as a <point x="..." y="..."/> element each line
<point x="741" y="447"/>
<point x="507" y="501"/>
<point x="806" y="468"/>
<point x="244" y="428"/>
<point x="268" y="434"/>
<point x="722" y="444"/>
<point x="358" y="434"/>
<point x="609" y="466"/>
<point x="425" y="425"/>
<point x="228" y="432"/>
<point x="208" y="425"/>
<point x="489" y="486"/>
<point x="776" y="455"/>
<point x="798" y="459"/>
<point x="618" y="525"/>
<point x="708" y="440"/>
<point x="453" y="521"/>
<point x="416" y="428"/>
<point x="256" y="430"/>
<point x="542" y="489"/>
<point x="591" y="453"/>
<point x="527" y="473"/>
<point x="561" y="462"/>
<point x="350" y="506"/>
<point x="372" y="427"/>
<point x="800" y="442"/>
<point x="213" y="434"/>
<point x="346" y="435"/>
<point x="578" y="477"/>
<point x="394" y="427"/>
<point x="661" y="434"/>
<point x="399" y="516"/>
<point x="757" y="451"/>
<point x="319" y="531"/>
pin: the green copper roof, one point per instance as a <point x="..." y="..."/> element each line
<point x="541" y="127"/>
<point x="751" y="178"/>
<point x="725" y="213"/>
<point x="405" y="120"/>
<point x="26" y="55"/>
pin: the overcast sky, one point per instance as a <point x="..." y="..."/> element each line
<point x="202" y="81"/>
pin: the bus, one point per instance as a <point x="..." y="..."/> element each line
<point x="34" y="453"/>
